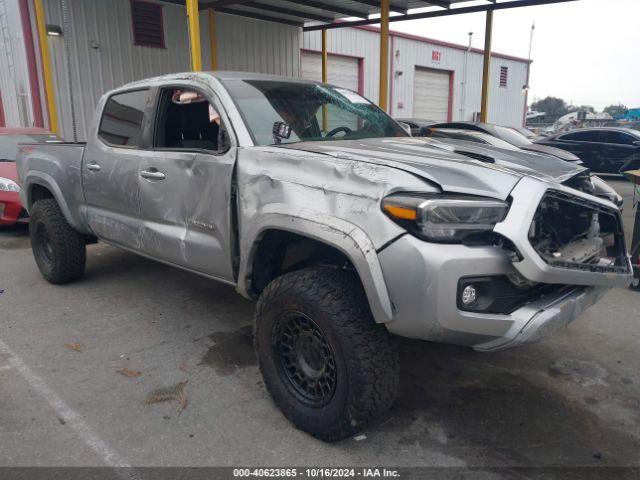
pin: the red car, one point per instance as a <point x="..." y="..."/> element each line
<point x="11" y="211"/>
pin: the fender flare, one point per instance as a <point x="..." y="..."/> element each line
<point x="335" y="232"/>
<point x="45" y="180"/>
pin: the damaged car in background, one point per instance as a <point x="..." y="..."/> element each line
<point x="346" y="230"/>
<point x="534" y="156"/>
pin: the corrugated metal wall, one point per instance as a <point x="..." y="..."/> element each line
<point x="14" y="73"/>
<point x="506" y="104"/>
<point x="103" y="55"/>
<point x="356" y="43"/>
<point x="250" y="45"/>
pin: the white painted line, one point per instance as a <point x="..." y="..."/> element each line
<point x="4" y="368"/>
<point x="71" y="417"/>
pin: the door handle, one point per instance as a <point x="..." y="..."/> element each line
<point x="152" y="174"/>
<point x="93" y="166"/>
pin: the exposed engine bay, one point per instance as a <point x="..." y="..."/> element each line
<point x="570" y="232"/>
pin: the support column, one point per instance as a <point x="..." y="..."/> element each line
<point x="46" y="66"/>
<point x="324" y="56"/>
<point x="384" y="54"/>
<point x="486" y="67"/>
<point x="194" y="35"/>
<point x="325" y="119"/>
<point x="213" y="40"/>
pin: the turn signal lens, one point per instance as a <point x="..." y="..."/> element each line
<point x="401" y="213"/>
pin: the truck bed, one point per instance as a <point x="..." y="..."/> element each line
<point x="56" y="167"/>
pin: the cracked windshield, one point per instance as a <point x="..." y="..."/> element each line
<point x="286" y="112"/>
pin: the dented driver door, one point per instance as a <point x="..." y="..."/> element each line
<point x="185" y="207"/>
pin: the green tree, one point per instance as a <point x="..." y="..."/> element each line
<point x="553" y="107"/>
<point x="615" y="110"/>
<point x="579" y="108"/>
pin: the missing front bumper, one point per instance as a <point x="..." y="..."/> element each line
<point x="540" y="319"/>
<point x="527" y="195"/>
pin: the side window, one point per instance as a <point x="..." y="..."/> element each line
<point x="121" y="122"/>
<point x="187" y="120"/>
<point x="619" y="138"/>
<point x="582" y="136"/>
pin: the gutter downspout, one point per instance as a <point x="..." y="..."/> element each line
<point x="384" y="54"/>
<point x="392" y="73"/>
<point x="46" y="67"/>
<point x="36" y="101"/>
<point x="67" y="55"/>
<point x="464" y="79"/>
<point x="526" y="86"/>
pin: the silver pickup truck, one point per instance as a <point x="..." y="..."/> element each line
<point x="312" y="200"/>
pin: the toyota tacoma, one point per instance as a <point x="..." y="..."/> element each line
<point x="347" y="231"/>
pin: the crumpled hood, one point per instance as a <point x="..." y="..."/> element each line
<point x="532" y="164"/>
<point x="431" y="160"/>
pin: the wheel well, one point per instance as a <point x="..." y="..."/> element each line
<point x="280" y="252"/>
<point x="38" y="192"/>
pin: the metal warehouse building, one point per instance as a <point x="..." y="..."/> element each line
<point x="96" y="45"/>
<point x="427" y="77"/>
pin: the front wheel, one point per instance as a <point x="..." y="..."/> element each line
<point x="59" y="250"/>
<point x="325" y="362"/>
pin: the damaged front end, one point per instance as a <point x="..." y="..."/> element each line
<point x="564" y="236"/>
<point x="573" y="233"/>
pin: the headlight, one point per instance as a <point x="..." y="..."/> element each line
<point x="445" y="218"/>
<point x="7" y="185"/>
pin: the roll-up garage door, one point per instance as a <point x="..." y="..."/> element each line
<point x="431" y="94"/>
<point x="341" y="71"/>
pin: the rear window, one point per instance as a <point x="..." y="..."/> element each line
<point x="619" y="138"/>
<point x="121" y="122"/>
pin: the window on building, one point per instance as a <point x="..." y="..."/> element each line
<point x="148" y="25"/>
<point x="504" y="76"/>
<point x="121" y="122"/>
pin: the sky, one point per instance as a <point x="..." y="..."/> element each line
<point x="586" y="51"/>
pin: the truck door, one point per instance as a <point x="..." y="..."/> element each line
<point x="110" y="168"/>
<point x="185" y="184"/>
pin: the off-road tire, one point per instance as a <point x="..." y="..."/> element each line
<point x="59" y="250"/>
<point x="366" y="361"/>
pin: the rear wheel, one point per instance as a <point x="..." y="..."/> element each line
<point x="328" y="366"/>
<point x="59" y="250"/>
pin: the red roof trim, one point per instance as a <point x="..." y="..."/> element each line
<point x="441" y="43"/>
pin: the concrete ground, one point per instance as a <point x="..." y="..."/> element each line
<point x="573" y="400"/>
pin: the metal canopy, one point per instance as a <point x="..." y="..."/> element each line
<point x="328" y="14"/>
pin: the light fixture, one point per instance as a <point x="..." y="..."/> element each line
<point x="54" y="31"/>
<point x="469" y="295"/>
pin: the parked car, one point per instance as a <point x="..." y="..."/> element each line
<point x="603" y="150"/>
<point x="11" y="211"/>
<point x="347" y="230"/>
<point x="485" y="144"/>
<point x="509" y="135"/>
<point x="531" y="135"/>
<point x="416" y="124"/>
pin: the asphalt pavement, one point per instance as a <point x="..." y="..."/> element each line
<point x="82" y="366"/>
